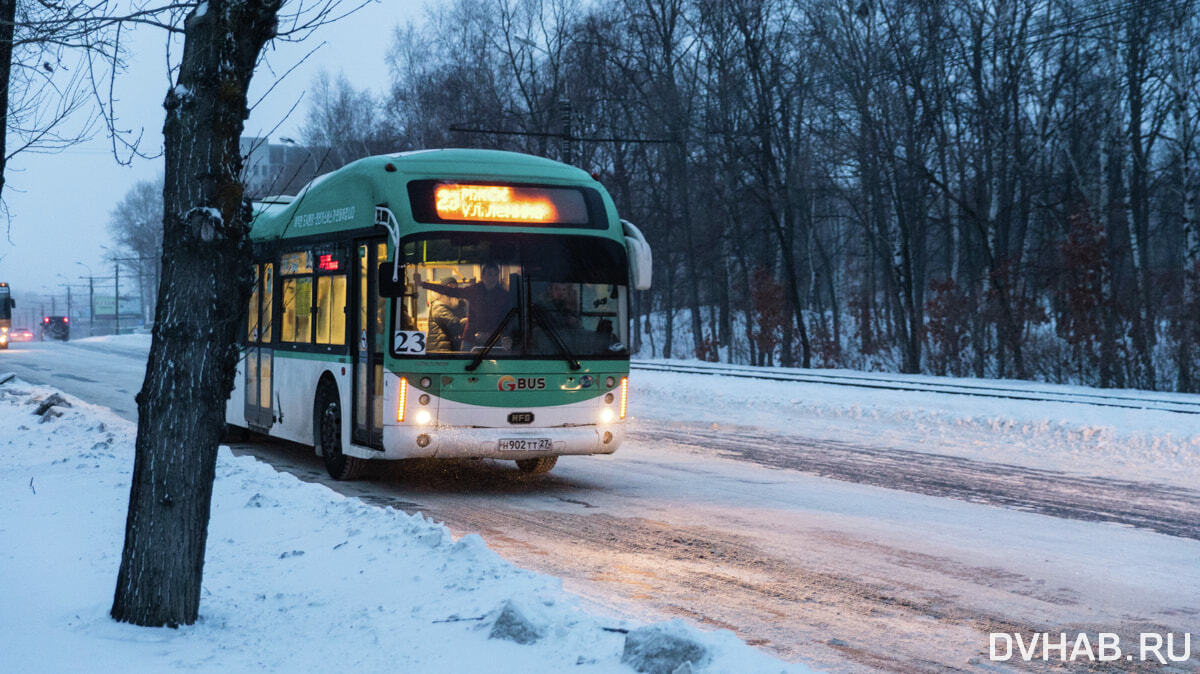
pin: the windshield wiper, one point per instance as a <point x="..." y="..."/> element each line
<point x="495" y="337"/>
<point x="540" y="318"/>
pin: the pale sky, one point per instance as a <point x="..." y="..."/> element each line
<point x="60" y="203"/>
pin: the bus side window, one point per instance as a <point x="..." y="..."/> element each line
<point x="252" y="312"/>
<point x="297" y="310"/>
<point x="268" y="302"/>
<point x="331" y="310"/>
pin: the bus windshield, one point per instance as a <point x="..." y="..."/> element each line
<point x="528" y="296"/>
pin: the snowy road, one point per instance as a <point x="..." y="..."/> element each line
<point x="1163" y="508"/>
<point x="844" y="554"/>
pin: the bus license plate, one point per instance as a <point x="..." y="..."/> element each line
<point x="524" y="444"/>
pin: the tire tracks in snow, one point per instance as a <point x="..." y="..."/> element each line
<point x="1170" y="510"/>
<point x="835" y="599"/>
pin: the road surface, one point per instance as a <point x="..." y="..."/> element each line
<point x="844" y="556"/>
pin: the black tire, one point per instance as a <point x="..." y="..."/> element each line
<point x="234" y="434"/>
<point x="537" y="466"/>
<point x="327" y="435"/>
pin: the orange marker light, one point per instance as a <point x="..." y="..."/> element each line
<point x="403" y="399"/>
<point x="492" y="203"/>
<point x="624" y="394"/>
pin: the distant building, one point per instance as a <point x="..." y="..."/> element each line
<point x="280" y="168"/>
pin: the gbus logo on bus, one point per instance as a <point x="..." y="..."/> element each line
<point x="508" y="383"/>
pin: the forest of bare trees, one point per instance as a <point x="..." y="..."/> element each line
<point x="990" y="188"/>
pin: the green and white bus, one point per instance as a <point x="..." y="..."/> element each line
<point x="441" y="303"/>
<point x="6" y="307"/>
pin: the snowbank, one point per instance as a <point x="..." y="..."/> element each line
<point x="1130" y="444"/>
<point x="297" y="577"/>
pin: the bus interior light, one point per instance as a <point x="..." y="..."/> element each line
<point x="403" y="399"/>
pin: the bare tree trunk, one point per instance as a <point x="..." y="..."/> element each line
<point x="202" y="297"/>
<point x="8" y="15"/>
<point x="1138" y="208"/>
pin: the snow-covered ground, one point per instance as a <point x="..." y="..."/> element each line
<point x="963" y="563"/>
<point x="297" y="577"/>
<point x="1128" y="444"/>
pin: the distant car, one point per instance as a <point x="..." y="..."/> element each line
<point x="56" y="327"/>
<point x="21" y="335"/>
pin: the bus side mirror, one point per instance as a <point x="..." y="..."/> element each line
<point x="641" y="262"/>
<point x="385" y="283"/>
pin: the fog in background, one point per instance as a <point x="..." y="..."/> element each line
<point x="58" y="204"/>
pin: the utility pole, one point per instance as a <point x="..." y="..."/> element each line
<point x="91" y="300"/>
<point x="141" y="290"/>
<point x="564" y="105"/>
<point x="117" y="291"/>
<point x="91" y="308"/>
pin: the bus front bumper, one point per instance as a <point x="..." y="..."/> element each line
<point x="446" y="442"/>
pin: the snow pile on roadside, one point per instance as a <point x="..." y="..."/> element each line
<point x="1128" y="444"/>
<point x="136" y="345"/>
<point x="297" y="577"/>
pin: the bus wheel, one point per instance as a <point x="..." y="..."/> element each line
<point x="537" y="466"/>
<point x="327" y="419"/>
<point x="234" y="434"/>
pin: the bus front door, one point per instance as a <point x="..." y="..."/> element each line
<point x="259" y="353"/>
<point x="368" y="347"/>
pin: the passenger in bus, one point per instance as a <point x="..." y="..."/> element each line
<point x="447" y="316"/>
<point x="487" y="303"/>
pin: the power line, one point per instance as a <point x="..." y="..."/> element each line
<point x="546" y="134"/>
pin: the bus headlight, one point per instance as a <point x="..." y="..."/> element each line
<point x="423" y="417"/>
<point x="607" y="415"/>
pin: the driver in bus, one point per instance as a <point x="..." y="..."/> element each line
<point x="447" y="315"/>
<point x="487" y="303"/>
<point x="560" y="306"/>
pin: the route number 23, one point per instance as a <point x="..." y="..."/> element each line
<point x="408" y="342"/>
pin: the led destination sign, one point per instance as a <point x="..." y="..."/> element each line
<point x="458" y="202"/>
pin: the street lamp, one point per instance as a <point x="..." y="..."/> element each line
<point x="307" y="152"/>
